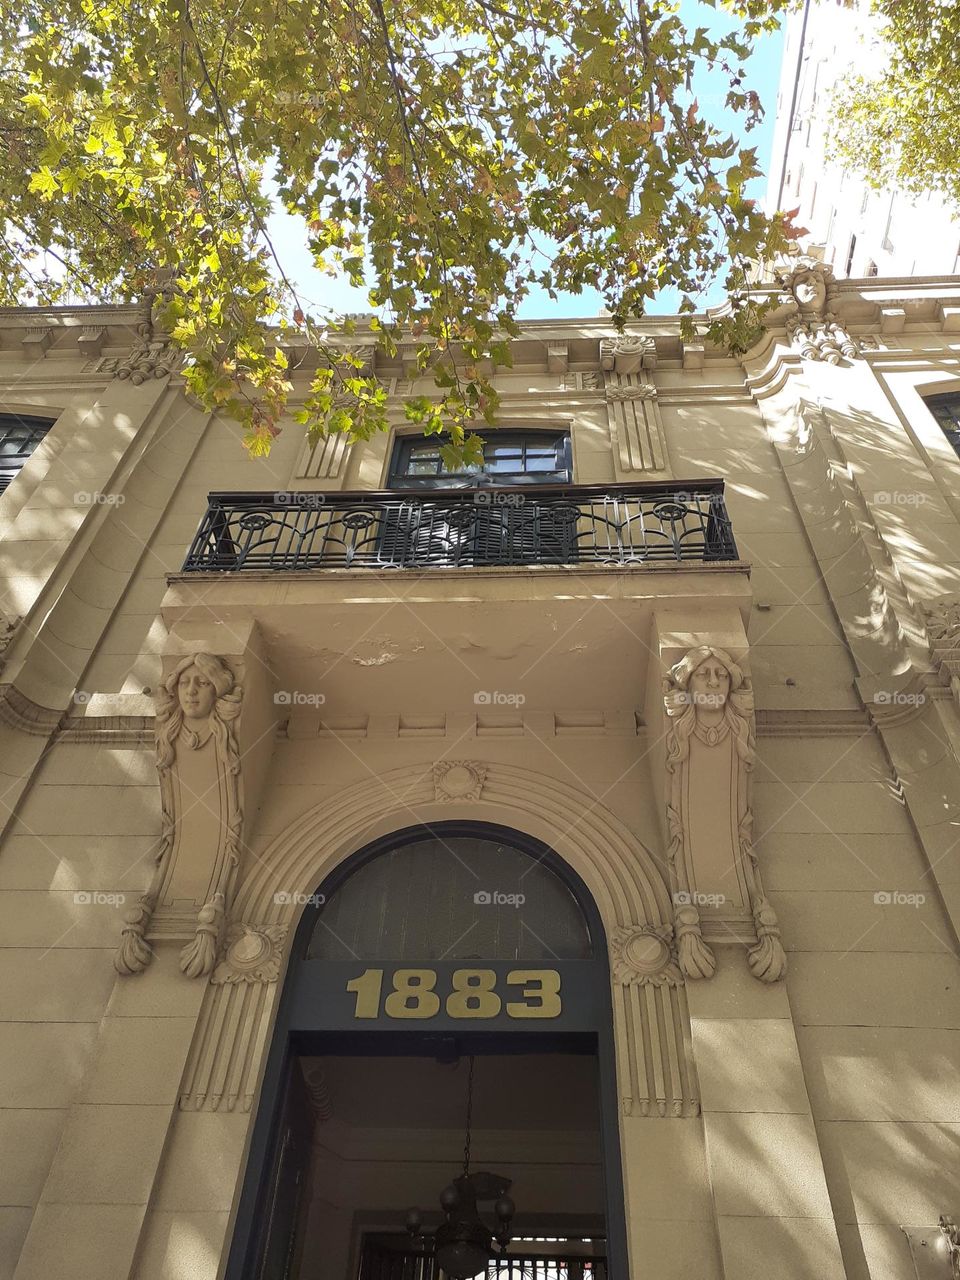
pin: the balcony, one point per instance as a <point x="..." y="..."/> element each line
<point x="629" y="524"/>
<point x="422" y="605"/>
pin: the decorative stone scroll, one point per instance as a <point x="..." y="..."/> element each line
<point x="710" y="749"/>
<point x="199" y="763"/>
<point x="813" y="325"/>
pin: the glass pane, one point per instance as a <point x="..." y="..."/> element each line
<point x="423" y="465"/>
<point x="452" y="898"/>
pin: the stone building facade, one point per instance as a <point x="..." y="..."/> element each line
<point x="719" y="721"/>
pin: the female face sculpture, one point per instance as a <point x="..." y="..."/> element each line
<point x="809" y="289"/>
<point x="195" y="693"/>
<point x="709" y="685"/>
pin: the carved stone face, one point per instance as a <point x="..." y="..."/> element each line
<point x="809" y="289"/>
<point x="196" y="694"/>
<point x="709" y="685"/>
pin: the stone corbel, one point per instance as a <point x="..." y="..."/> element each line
<point x="557" y="357"/>
<point x="709" y="757"/>
<point x="36" y="340"/>
<point x="210" y="744"/>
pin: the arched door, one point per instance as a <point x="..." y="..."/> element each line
<point x="433" y="956"/>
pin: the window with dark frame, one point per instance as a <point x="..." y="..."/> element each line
<point x="946" y="409"/>
<point x="19" y="436"/>
<point x="509" y="457"/>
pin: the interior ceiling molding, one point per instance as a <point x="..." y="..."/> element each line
<point x="651" y="1023"/>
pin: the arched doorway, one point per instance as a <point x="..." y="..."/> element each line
<point x="448" y="988"/>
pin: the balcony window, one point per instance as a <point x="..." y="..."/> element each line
<point x="946" y="410"/>
<point x="509" y="458"/>
<point x="19" y="436"/>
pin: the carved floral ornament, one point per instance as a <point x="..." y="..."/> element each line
<point x="708" y="701"/>
<point x="943" y="621"/>
<point x="253" y="953"/>
<point x="201" y="816"/>
<point x="643" y="954"/>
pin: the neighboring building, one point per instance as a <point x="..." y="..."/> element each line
<point x="596" y="811"/>
<point x="857" y="230"/>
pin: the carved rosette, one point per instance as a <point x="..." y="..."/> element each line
<point x="458" y="780"/>
<point x="643" y="954"/>
<point x="708" y="701"/>
<point x="253" y="953"/>
<point x="201" y="817"/>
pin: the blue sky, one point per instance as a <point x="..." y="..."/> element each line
<point x="763" y="75"/>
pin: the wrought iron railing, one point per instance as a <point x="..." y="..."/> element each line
<point x="624" y="524"/>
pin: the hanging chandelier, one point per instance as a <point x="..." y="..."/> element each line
<point x="464" y="1243"/>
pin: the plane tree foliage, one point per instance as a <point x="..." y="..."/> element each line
<point x="446" y="155"/>
<point x="899" y="125"/>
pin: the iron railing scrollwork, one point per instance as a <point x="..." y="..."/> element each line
<point x="626" y="524"/>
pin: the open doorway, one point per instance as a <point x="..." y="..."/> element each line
<point x="388" y="1134"/>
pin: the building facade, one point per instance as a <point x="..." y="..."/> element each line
<point x="857" y="230"/>
<point x="570" y="843"/>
